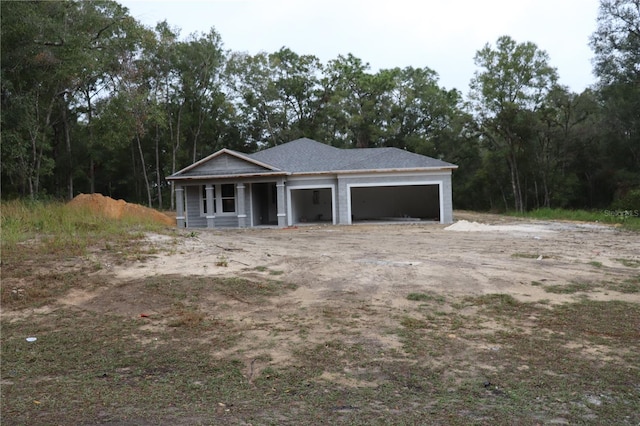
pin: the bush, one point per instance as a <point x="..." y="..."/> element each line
<point x="631" y="201"/>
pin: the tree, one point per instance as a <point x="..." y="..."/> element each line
<point x="277" y="94"/>
<point x="513" y="83"/>
<point x="358" y="102"/>
<point x="56" y="58"/>
<point x="616" y="44"/>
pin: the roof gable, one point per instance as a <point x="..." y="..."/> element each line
<point x="224" y="163"/>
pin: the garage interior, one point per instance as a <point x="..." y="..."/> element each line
<point x="311" y="205"/>
<point x="395" y="203"/>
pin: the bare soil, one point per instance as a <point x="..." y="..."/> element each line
<point x="359" y="276"/>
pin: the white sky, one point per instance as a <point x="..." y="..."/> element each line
<point x="443" y="35"/>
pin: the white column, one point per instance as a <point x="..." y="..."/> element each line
<point x="240" y="204"/>
<point x="180" y="218"/>
<point x="210" y="206"/>
<point x="282" y="205"/>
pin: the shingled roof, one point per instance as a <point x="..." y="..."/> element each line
<point x="309" y="156"/>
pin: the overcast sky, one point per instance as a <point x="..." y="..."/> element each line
<point x="443" y="35"/>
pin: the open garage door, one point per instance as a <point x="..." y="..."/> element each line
<point x="395" y="203"/>
<point x="311" y="205"/>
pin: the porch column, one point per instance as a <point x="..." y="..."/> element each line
<point x="242" y="212"/>
<point x="210" y="206"/>
<point x="282" y="206"/>
<point x="180" y="219"/>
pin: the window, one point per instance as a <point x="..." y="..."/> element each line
<point x="225" y="202"/>
<point x="228" y="192"/>
<point x="204" y="199"/>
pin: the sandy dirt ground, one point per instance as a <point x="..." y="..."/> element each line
<point x="358" y="277"/>
<point x="382" y="263"/>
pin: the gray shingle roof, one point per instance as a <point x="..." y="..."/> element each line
<point x="306" y="155"/>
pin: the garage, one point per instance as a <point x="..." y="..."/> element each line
<point x="376" y="202"/>
<point x="311" y="205"/>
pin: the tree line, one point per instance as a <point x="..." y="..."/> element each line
<point x="93" y="101"/>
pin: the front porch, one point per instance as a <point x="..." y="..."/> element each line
<point x="231" y="204"/>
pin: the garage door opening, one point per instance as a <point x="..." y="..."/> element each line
<point x="395" y="203"/>
<point x="311" y="205"/>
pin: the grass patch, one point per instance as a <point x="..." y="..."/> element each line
<point x="631" y="263"/>
<point x="629" y="286"/>
<point x="56" y="227"/>
<point x="600" y="216"/>
<point x="616" y="322"/>
<point x="425" y="297"/>
<point x="571" y="288"/>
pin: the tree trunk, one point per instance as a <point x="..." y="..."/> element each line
<point x="158" y="174"/>
<point x="515" y="184"/>
<point x="174" y="152"/>
<point x="67" y="139"/>
<point x="197" y="135"/>
<point x="92" y="165"/>
<point x="144" y="169"/>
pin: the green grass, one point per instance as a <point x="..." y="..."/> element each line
<point x="631" y="263"/>
<point x="425" y="297"/>
<point x="570" y="288"/>
<point x="599" y="216"/>
<point x="57" y="227"/>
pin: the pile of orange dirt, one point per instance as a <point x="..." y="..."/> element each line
<point x="119" y="209"/>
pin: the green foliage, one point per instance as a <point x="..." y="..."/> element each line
<point x="630" y="202"/>
<point x="616" y="44"/>
<point x="627" y="218"/>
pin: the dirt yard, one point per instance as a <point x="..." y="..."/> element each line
<point x="384" y="288"/>
<point x="372" y="268"/>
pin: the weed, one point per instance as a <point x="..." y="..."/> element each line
<point x="630" y="285"/>
<point x="413" y="323"/>
<point x="525" y="255"/>
<point x="596" y="264"/>
<point x="570" y="288"/>
<point x="631" y="263"/>
<point x="185" y="316"/>
<point x="425" y="297"/>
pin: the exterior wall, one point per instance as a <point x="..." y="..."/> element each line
<point x="192" y="213"/>
<point x="340" y="187"/>
<point x="225" y="222"/>
<point x="446" y="199"/>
